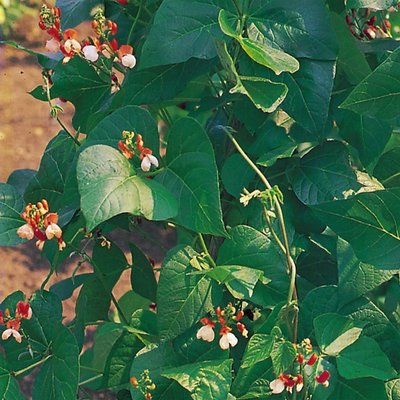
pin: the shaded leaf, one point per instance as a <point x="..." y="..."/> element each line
<point x="11" y="206"/>
<point x="191" y="175"/>
<point x="188" y="295"/>
<point x="323" y="174"/>
<point x="364" y="359"/>
<point x="204" y="380"/>
<point x="368" y="222"/>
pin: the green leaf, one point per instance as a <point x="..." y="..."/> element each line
<point x="20" y="179"/>
<point x="148" y="86"/>
<point x="265" y="94"/>
<point x="377" y="326"/>
<point x="75" y="11"/>
<point x="192" y="176"/>
<point x="323" y="174"/>
<point x="258" y="349"/>
<point x="301" y="28"/>
<point x="128" y="118"/>
<point x="181" y="31"/>
<point x="204" y="380"/>
<point x="388" y="167"/>
<point x="109" y="186"/>
<point x="350" y="58"/>
<point x="94" y="299"/>
<point x="143" y="280"/>
<point x="393" y="389"/>
<point x="358" y="389"/>
<point x="368" y="222"/>
<point x="11" y="206"/>
<point x="309" y="91"/>
<point x="379" y="93"/>
<point x="247" y="379"/>
<point x="355" y="277"/>
<point x="269" y="57"/>
<point x="335" y="332"/>
<point x="361" y="132"/>
<point x="378" y="4"/>
<point x="233" y="182"/>
<point x="321" y="300"/>
<point x="119" y="360"/>
<point x="59" y="376"/>
<point x="250" y="248"/>
<point x="9" y="389"/>
<point x="65" y="288"/>
<point x="240" y="281"/>
<point x="226" y="21"/>
<point x="282" y="355"/>
<point x="78" y="82"/>
<point x="189" y="296"/>
<point x="157" y="359"/>
<point x="49" y="181"/>
<point x="364" y="359"/>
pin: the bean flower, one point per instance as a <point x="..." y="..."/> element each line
<point x="135" y="147"/>
<point x="41" y="224"/>
<point x="13" y="324"/>
<point x="227" y="319"/>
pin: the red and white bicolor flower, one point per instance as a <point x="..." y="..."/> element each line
<point x="147" y="160"/>
<point x="53" y="45"/>
<point x="288" y="382"/>
<point x="23" y="310"/>
<point x="228" y="339"/>
<point x="13" y="327"/>
<point x="323" y="378"/>
<point x="206" y="332"/>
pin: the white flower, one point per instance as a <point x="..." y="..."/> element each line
<point x="228" y="339"/>
<point x="90" y="53"/>
<point x="128" y="60"/>
<point x="8" y="332"/>
<point x="25" y="232"/>
<point x="53" y="230"/>
<point x="206" y="333"/>
<point x="52" y="45"/>
<point x="148" y="161"/>
<point x="277" y="386"/>
<point x="72" y="46"/>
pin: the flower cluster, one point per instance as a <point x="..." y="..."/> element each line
<point x="100" y="44"/>
<point x="41" y="224"/>
<point x="304" y="369"/>
<point x="365" y="27"/>
<point x="145" y="385"/>
<point x="226" y="318"/>
<point x="13" y="324"/>
<point x="130" y="147"/>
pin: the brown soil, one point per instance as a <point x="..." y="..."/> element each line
<point x="25" y="130"/>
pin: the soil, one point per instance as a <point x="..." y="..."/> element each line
<point x="25" y="129"/>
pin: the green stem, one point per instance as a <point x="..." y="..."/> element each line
<point x="47" y="86"/>
<point x="93" y="378"/>
<point x="36" y="364"/>
<point x="128" y="41"/>
<point x="205" y="249"/>
<point x="292" y="295"/>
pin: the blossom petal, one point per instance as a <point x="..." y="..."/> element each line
<point x="206" y="333"/>
<point x="233" y="340"/>
<point x="277" y="386"/>
<point x="146" y="164"/>
<point x="128" y="60"/>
